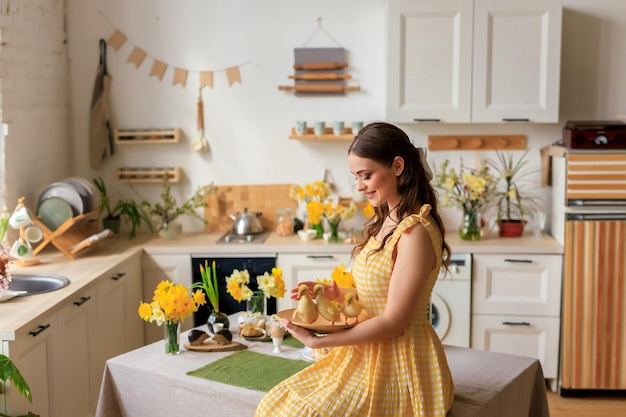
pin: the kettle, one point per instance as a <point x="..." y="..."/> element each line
<point x="246" y="223"/>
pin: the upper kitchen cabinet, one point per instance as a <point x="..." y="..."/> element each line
<point x="473" y="61"/>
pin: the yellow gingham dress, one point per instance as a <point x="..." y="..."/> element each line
<point x="404" y="376"/>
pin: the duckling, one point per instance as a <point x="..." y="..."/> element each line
<point x="306" y="309"/>
<point x="328" y="309"/>
<point x="351" y="308"/>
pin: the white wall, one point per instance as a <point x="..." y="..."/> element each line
<point x="248" y="124"/>
<point x="33" y="99"/>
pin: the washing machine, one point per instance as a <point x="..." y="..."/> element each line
<point x="451" y="302"/>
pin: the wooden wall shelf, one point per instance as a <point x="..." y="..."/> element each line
<point x="147" y="136"/>
<point x="149" y="175"/>
<point x="476" y="142"/>
<point x="328" y="134"/>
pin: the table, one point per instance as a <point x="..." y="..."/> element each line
<point x="146" y="382"/>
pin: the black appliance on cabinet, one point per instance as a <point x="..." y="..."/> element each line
<point x="256" y="265"/>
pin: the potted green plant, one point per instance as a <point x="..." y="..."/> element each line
<point x="168" y="210"/>
<point x="124" y="208"/>
<point x="513" y="203"/>
<point x="9" y="372"/>
<point x="210" y="288"/>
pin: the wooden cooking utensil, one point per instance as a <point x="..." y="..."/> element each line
<point x="200" y="144"/>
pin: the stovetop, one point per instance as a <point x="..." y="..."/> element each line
<point x="230" y="238"/>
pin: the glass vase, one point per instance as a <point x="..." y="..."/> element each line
<point x="256" y="303"/>
<point x="334" y="232"/>
<point x="470" y="227"/>
<point x="319" y="230"/>
<point x="172" y="338"/>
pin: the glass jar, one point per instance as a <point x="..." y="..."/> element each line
<point x="284" y="222"/>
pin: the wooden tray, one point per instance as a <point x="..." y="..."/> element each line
<point x="321" y="325"/>
<point x="214" y="347"/>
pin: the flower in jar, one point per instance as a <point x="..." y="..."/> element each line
<point x="272" y="285"/>
<point x="237" y="285"/>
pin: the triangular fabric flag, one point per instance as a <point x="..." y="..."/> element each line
<point x="180" y="76"/>
<point x="117" y="40"/>
<point x="232" y="74"/>
<point x="136" y="57"/>
<point x="158" y="69"/>
<point x="206" y="79"/>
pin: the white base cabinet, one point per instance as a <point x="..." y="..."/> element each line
<point x="516" y="304"/>
<point x="307" y="267"/>
<point x="473" y="61"/>
<point x="62" y="355"/>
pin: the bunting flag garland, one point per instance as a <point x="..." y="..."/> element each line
<point x="138" y="55"/>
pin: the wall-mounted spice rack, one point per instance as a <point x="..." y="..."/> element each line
<point x="149" y="175"/>
<point x="147" y="136"/>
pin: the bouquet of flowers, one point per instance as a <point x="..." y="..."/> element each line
<point x="5" y="276"/>
<point x="170" y="305"/>
<point x="343" y="278"/>
<point x="467" y="189"/>
<point x="313" y="195"/>
<point x="269" y="284"/>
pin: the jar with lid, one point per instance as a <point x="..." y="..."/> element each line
<point x="284" y="222"/>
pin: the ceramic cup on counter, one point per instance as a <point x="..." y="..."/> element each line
<point x="300" y="127"/>
<point x="20" y="218"/>
<point x="33" y="233"/>
<point x="338" y="127"/>
<point x="319" y="127"/>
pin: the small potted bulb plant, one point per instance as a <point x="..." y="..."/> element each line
<point x="513" y="203"/>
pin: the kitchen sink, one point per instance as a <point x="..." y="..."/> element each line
<point x="32" y="284"/>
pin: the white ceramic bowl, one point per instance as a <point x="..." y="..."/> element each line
<point x="308" y="234"/>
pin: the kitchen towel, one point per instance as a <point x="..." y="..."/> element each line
<point x="251" y="370"/>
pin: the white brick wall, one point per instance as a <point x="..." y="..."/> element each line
<point x="33" y="98"/>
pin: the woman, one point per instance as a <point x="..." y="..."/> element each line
<point x="392" y="364"/>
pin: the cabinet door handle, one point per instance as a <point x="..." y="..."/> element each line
<point x="515" y="120"/>
<point x="525" y="261"/>
<point x="426" y="120"/>
<point x="118" y="276"/>
<point x="320" y="257"/>
<point x="82" y="301"/>
<point x="516" y="323"/>
<point x="39" y="330"/>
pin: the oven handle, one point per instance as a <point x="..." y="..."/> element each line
<point x="595" y="216"/>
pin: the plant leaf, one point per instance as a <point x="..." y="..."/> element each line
<point x="8" y="371"/>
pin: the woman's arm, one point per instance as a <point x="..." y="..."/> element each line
<point x="415" y="259"/>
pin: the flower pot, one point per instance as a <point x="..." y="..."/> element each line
<point x="112" y="223"/>
<point x="511" y="228"/>
<point x="217" y="317"/>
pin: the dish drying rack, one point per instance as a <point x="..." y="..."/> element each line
<point x="75" y="237"/>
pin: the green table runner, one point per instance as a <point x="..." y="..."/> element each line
<point x="248" y="369"/>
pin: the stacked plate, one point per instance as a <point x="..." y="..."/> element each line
<point x="65" y="199"/>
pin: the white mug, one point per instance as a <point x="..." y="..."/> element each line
<point x="300" y="127"/>
<point x="20" y="217"/>
<point x="319" y="127"/>
<point x="21" y="249"/>
<point x="356" y="127"/>
<point x="338" y="127"/>
<point x="33" y="233"/>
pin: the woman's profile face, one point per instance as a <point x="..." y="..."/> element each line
<point x="379" y="183"/>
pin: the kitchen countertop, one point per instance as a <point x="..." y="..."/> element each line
<point x="25" y="311"/>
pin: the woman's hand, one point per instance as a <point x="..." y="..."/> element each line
<point x="306" y="336"/>
<point x="331" y="291"/>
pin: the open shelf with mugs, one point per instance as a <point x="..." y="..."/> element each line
<point x="328" y="134"/>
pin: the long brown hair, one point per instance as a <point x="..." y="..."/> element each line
<point x="382" y="142"/>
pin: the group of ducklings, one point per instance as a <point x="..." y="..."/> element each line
<point x="309" y="310"/>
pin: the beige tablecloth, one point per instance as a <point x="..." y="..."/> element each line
<point x="148" y="382"/>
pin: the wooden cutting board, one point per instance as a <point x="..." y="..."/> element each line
<point x="233" y="199"/>
<point x="214" y="347"/>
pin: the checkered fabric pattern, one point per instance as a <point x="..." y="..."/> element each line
<point x="403" y="376"/>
